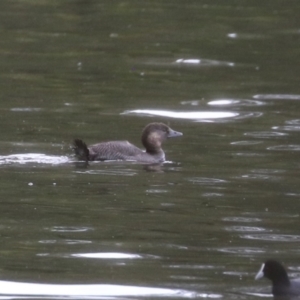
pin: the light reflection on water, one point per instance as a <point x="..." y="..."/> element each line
<point x="244" y="228"/>
<point x="287" y="128"/>
<point x="90" y="291"/>
<point x="277" y="97"/>
<point x="108" y="255"/>
<point x="265" y="134"/>
<point x="206" y="181"/>
<point x="26" y="109"/>
<point x="272" y="237"/>
<point x="246" y="143"/>
<point x="260" y="176"/>
<point x="241" y="219"/>
<point x="284" y="148"/>
<point x="242" y="250"/>
<point x="203" y="62"/>
<point x="65" y="242"/>
<point x="193" y="115"/>
<point x="69" y="229"/>
<point x="233" y="102"/>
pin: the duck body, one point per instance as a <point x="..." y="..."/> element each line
<point x="282" y="286"/>
<point x="152" y="138"/>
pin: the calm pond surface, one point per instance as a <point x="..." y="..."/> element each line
<point x="225" y="73"/>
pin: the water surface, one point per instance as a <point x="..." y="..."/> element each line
<point x="201" y="224"/>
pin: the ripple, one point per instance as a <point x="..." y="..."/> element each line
<point x="268" y="171"/>
<point x="206" y="180"/>
<point x="277" y="97"/>
<point x="249" y="115"/>
<point x="33" y="158"/>
<point x="203" y="62"/>
<point x="66" y="242"/>
<point x="241" y="250"/>
<point x="244" y="229"/>
<point x="241" y="219"/>
<point x="246" y="36"/>
<point x="287" y="127"/>
<point x="26" y="109"/>
<point x="246" y="143"/>
<point x="107" y="255"/>
<point x="91" y="291"/>
<point x="212" y="195"/>
<point x="293" y="122"/>
<point x="156" y="191"/>
<point x="194" y="115"/>
<point x="224" y="102"/>
<point x="70" y="229"/>
<point x="285" y="148"/>
<point x="272" y="237"/>
<point x="265" y="134"/>
<point x="196" y="267"/>
<point x="260" y="176"/>
<point x="248" y="154"/>
<point x="108" y="172"/>
<point x="264" y="174"/>
<point x="235" y="273"/>
<point x="191" y="102"/>
<point x="293" y="194"/>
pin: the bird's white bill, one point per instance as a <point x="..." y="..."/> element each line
<point x="260" y="273"/>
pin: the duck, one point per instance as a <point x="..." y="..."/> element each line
<point x="282" y="286"/>
<point x="153" y="135"/>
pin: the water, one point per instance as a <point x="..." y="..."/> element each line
<point x="198" y="226"/>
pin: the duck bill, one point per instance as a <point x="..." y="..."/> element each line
<point x="260" y="273"/>
<point x="173" y="133"/>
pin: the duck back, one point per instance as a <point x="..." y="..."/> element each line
<point x="114" y="150"/>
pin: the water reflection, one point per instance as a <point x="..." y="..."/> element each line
<point x="277" y="97"/>
<point x="241" y="219"/>
<point x="241" y="250"/>
<point x="265" y="134"/>
<point x="26" y="109"/>
<point x="261" y="177"/>
<point x="272" y="237"/>
<point x="232" y="102"/>
<point x="65" y="242"/>
<point x="89" y="291"/>
<point x="285" y="148"/>
<point x="204" y="62"/>
<point x="246" y="143"/>
<point x="244" y="228"/>
<point x="206" y="181"/>
<point x="193" y="115"/>
<point x="108" y="255"/>
<point x="70" y="229"/>
<point x="186" y="62"/>
<point x="287" y="127"/>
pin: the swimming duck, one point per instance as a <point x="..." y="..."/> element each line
<point x="152" y="138"/>
<point x="282" y="286"/>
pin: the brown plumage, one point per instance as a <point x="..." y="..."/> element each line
<point x="152" y="138"/>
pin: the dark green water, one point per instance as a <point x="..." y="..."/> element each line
<point x="225" y="73"/>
